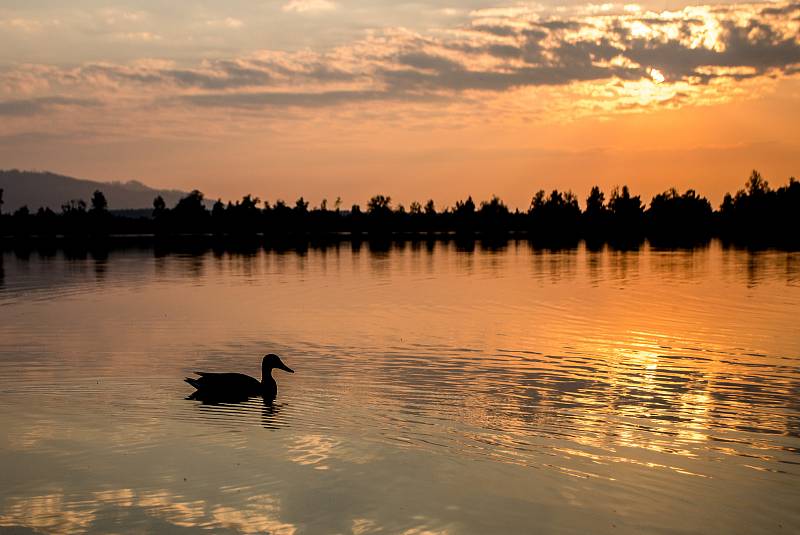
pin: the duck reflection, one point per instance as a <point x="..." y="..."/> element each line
<point x="240" y="413"/>
<point x="270" y="415"/>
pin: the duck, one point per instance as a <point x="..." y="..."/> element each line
<point x="235" y="387"/>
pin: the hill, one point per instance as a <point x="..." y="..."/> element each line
<point x="35" y="189"/>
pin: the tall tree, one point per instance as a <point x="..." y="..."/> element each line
<point x="379" y="204"/>
<point x="595" y="202"/>
<point x="99" y="203"/>
<point x="159" y="207"/>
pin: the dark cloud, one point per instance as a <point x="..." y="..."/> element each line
<point x="500" y="31"/>
<point x="221" y="74"/>
<point x="532" y="50"/>
<point x="767" y="50"/>
<point x="782" y="10"/>
<point x="316" y="70"/>
<point x="34" y="138"/>
<point x="459" y="78"/>
<point x="27" y="107"/>
<point x="283" y="99"/>
<point x="504" y="51"/>
<point x="583" y="53"/>
<point x="228" y="77"/>
<point x="421" y="60"/>
<point x="556" y="25"/>
<point x="120" y="74"/>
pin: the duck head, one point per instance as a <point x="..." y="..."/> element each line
<point x="273" y="361"/>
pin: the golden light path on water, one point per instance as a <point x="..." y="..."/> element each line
<point x="440" y="387"/>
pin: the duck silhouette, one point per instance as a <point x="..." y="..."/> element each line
<point x="235" y="387"/>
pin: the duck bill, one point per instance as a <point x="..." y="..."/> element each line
<point x="284" y="367"/>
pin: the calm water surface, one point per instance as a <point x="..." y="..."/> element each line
<point x="438" y="390"/>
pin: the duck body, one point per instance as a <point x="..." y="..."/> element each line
<point x="234" y="387"/>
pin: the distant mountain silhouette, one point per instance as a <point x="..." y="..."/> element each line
<point x="35" y="189"/>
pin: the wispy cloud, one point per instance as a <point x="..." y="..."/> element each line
<point x="309" y="6"/>
<point x="34" y="106"/>
<point x="135" y="36"/>
<point x="227" y="22"/>
<point x="113" y="16"/>
<point x="28" y="25"/>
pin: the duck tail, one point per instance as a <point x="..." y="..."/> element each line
<point x="194" y="382"/>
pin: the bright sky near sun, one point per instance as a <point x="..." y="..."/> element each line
<point x="327" y="98"/>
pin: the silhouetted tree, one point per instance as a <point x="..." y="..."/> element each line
<point x="756" y="186"/>
<point x="595" y="202"/>
<point x="160" y="212"/>
<point x="20" y="221"/>
<point x="243" y="217"/>
<point x="301" y="206"/>
<point x="464" y="215"/>
<point x="99" y="218"/>
<point x="73" y="216"/>
<point x="99" y="203"/>
<point x="218" y="209"/>
<point x="190" y="214"/>
<point x="356" y="219"/>
<point x="191" y="205"/>
<point x="758" y="214"/>
<point x="493" y="216"/>
<point x="219" y="217"/>
<point x="554" y="218"/>
<point x="595" y="219"/>
<point x="379" y="214"/>
<point x="379" y="204"/>
<point x="679" y="218"/>
<point x="300" y="216"/>
<point x="75" y="206"/>
<point x="159" y="207"/>
<point x="627" y="214"/>
<point x="46" y="222"/>
<point x="278" y="219"/>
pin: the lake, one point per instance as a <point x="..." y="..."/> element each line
<point x="439" y="388"/>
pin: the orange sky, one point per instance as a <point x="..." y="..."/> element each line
<point x="481" y="101"/>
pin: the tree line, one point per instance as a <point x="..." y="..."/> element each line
<point x="756" y="213"/>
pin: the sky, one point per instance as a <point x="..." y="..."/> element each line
<point x="431" y="99"/>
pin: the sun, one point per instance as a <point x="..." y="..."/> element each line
<point x="656" y="75"/>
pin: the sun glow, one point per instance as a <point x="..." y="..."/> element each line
<point x="656" y="75"/>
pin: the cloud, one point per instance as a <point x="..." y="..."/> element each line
<point x="135" y="36"/>
<point x="308" y="6"/>
<point x="607" y="56"/>
<point x="113" y="16"/>
<point x="282" y="99"/>
<point x="228" y="22"/>
<point x="28" y="25"/>
<point x="33" y="106"/>
<point x="786" y="9"/>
